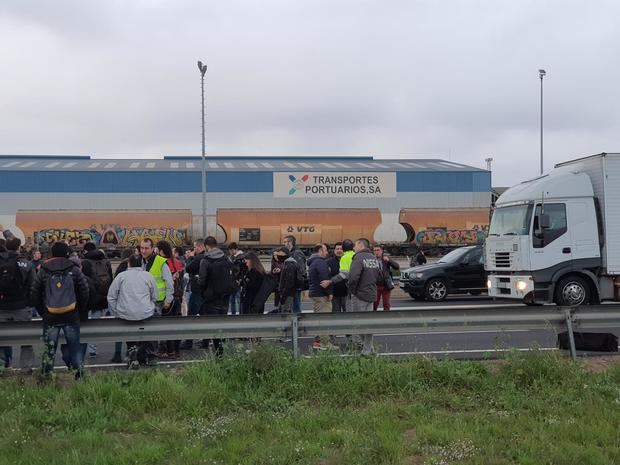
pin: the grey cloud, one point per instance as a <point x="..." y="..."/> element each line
<point x="431" y="79"/>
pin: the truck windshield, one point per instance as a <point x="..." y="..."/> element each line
<point x="511" y="221"/>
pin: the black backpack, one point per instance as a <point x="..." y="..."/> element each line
<point x="101" y="277"/>
<point x="60" y="293"/>
<point x="221" y="278"/>
<point x="11" y="280"/>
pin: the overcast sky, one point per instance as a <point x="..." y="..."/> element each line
<point x="423" y="79"/>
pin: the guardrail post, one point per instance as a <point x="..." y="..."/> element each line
<point x="571" y="336"/>
<point x="295" y="335"/>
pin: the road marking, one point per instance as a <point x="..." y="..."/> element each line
<point x="464" y="351"/>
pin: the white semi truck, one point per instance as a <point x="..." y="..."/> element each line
<point x="556" y="238"/>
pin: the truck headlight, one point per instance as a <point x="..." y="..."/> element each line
<point x="489" y="284"/>
<point x="521" y="285"/>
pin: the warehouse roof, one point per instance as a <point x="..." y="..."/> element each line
<point x="175" y="163"/>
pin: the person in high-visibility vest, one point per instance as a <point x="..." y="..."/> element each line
<point x="156" y="265"/>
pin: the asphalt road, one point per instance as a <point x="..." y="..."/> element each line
<point x="463" y="344"/>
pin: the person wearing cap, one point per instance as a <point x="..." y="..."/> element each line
<point x="66" y="320"/>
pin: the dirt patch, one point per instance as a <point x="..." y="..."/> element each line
<point x="413" y="460"/>
<point x="600" y="364"/>
<point x="410" y="434"/>
<point x="336" y="459"/>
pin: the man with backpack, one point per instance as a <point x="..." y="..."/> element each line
<point x="216" y="280"/>
<point x="16" y="278"/>
<point x="60" y="295"/>
<point x="98" y="272"/>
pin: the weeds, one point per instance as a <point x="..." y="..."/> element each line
<point x="266" y="408"/>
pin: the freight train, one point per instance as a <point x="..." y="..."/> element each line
<point x="256" y="229"/>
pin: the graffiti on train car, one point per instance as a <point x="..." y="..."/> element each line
<point x="443" y="236"/>
<point x="111" y="235"/>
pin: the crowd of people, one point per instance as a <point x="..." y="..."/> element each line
<point x="156" y="280"/>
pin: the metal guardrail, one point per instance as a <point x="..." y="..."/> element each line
<point x="443" y="320"/>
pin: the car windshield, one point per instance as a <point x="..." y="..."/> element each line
<point x="455" y="255"/>
<point x="511" y="221"/>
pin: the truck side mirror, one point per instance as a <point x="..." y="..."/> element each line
<point x="544" y="221"/>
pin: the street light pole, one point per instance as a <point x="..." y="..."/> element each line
<point x="203" y="69"/>
<point x="541" y="74"/>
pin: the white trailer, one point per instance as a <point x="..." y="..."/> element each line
<point x="556" y="238"/>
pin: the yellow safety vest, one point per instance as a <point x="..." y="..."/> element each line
<point x="156" y="271"/>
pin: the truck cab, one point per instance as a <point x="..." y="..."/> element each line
<point x="544" y="242"/>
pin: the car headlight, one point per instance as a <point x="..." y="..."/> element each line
<point x="521" y="285"/>
<point x="418" y="275"/>
<point x="489" y="284"/>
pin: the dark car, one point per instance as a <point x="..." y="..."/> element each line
<point x="459" y="272"/>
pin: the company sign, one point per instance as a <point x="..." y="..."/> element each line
<point x="312" y="185"/>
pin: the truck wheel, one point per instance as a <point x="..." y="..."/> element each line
<point x="572" y="291"/>
<point x="416" y="296"/>
<point x="436" y="289"/>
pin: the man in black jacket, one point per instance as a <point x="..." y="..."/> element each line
<point x="16" y="277"/>
<point x="216" y="281"/>
<point x="339" y="300"/>
<point x="60" y="269"/>
<point x="98" y="272"/>
<point x="318" y="271"/>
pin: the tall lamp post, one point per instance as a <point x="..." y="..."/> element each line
<point x="203" y="70"/>
<point x="541" y="74"/>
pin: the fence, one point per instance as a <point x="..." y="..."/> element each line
<point x="294" y="326"/>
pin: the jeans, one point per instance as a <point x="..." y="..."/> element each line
<point x="172" y="347"/>
<point x="26" y="354"/>
<point x="193" y="308"/>
<point x="383" y="293"/>
<point x="339" y="304"/>
<point x="51" y="334"/>
<point x="195" y="303"/>
<point x="94" y="315"/>
<point x="234" y="308"/>
<point x="288" y="305"/>
<point x="322" y="305"/>
<point x="297" y="302"/>
<point x="217" y="307"/>
<point x="358" y="305"/>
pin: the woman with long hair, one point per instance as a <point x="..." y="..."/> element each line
<point x="172" y="348"/>
<point x="252" y="284"/>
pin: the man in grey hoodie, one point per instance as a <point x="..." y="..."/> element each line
<point x="132" y="296"/>
<point x="365" y="272"/>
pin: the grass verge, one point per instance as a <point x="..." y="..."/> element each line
<point x="266" y="408"/>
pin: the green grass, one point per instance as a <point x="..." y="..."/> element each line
<point x="266" y="408"/>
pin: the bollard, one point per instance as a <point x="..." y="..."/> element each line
<point x="571" y="336"/>
<point x="295" y="335"/>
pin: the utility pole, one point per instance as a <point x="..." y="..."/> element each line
<point x="541" y="74"/>
<point x="203" y="70"/>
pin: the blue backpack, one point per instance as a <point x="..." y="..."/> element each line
<point x="60" y="293"/>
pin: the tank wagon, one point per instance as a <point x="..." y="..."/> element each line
<point x="255" y="201"/>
